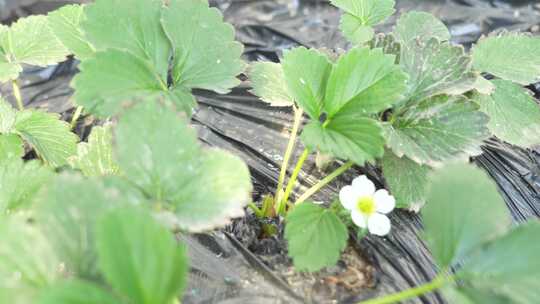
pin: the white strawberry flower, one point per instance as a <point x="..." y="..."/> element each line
<point x="368" y="207"/>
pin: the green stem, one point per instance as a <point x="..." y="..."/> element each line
<point x="298" y="113"/>
<point x="76" y="116"/>
<point x="437" y="283"/>
<point x="258" y="212"/>
<point x="323" y="182"/>
<point x="17" y="94"/>
<point x="294" y="176"/>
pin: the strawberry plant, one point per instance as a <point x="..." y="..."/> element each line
<point x="90" y="233"/>
<point x="50" y="137"/>
<point x="31" y="41"/>
<point x="481" y="258"/>
<point x="409" y="101"/>
<point x="146" y="184"/>
<point x="128" y="47"/>
<point x="94" y="221"/>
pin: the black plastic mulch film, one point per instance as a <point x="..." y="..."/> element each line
<point x="224" y="270"/>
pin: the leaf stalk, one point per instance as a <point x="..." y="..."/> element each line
<point x="76" y="116"/>
<point x="17" y="94"/>
<point x="298" y="113"/>
<point x="323" y="182"/>
<point x="294" y="176"/>
<point x="258" y="212"/>
<point x="436" y="283"/>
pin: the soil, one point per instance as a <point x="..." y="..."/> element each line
<point x="350" y="276"/>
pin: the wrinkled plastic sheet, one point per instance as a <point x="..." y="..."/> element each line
<point x="223" y="269"/>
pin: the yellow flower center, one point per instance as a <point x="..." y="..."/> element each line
<point x="366" y="205"/>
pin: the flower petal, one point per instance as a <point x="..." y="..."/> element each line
<point x="378" y="224"/>
<point x="348" y="197"/>
<point x="384" y="202"/>
<point x="358" y="219"/>
<point x="363" y="186"/>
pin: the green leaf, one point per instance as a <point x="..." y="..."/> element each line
<point x="364" y="81"/>
<point x="406" y="179"/>
<point x="18" y="295"/>
<point x="132" y="59"/>
<point x="360" y="15"/>
<point x="11" y="147"/>
<point x="66" y="25"/>
<point x="134" y="53"/>
<point x="8" y="71"/>
<point x="388" y="44"/>
<point x="140" y="258"/>
<point x="484" y="86"/>
<point x="268" y="82"/>
<point x="30" y="40"/>
<point x="68" y="217"/>
<point x="182" y="99"/>
<point x="453" y="294"/>
<point x="7" y="116"/>
<point x="95" y="158"/>
<point x="514" y="114"/>
<point x="306" y="72"/>
<point x="435" y="68"/>
<point x="315" y="235"/>
<point x="469" y="295"/>
<point x="128" y="192"/>
<point x="48" y="135"/>
<point x="511" y="56"/>
<point x="508" y="266"/>
<point x="354" y="30"/>
<point x="220" y="189"/>
<point x="463" y="211"/>
<point x="347" y="136"/>
<point x="206" y="56"/>
<point x="129" y="25"/>
<point x="371" y="12"/>
<point x="112" y="79"/>
<point x="204" y="188"/>
<point x="437" y="129"/>
<point x="26" y="259"/>
<point x="420" y="27"/>
<point x="20" y="182"/>
<point x="76" y="292"/>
